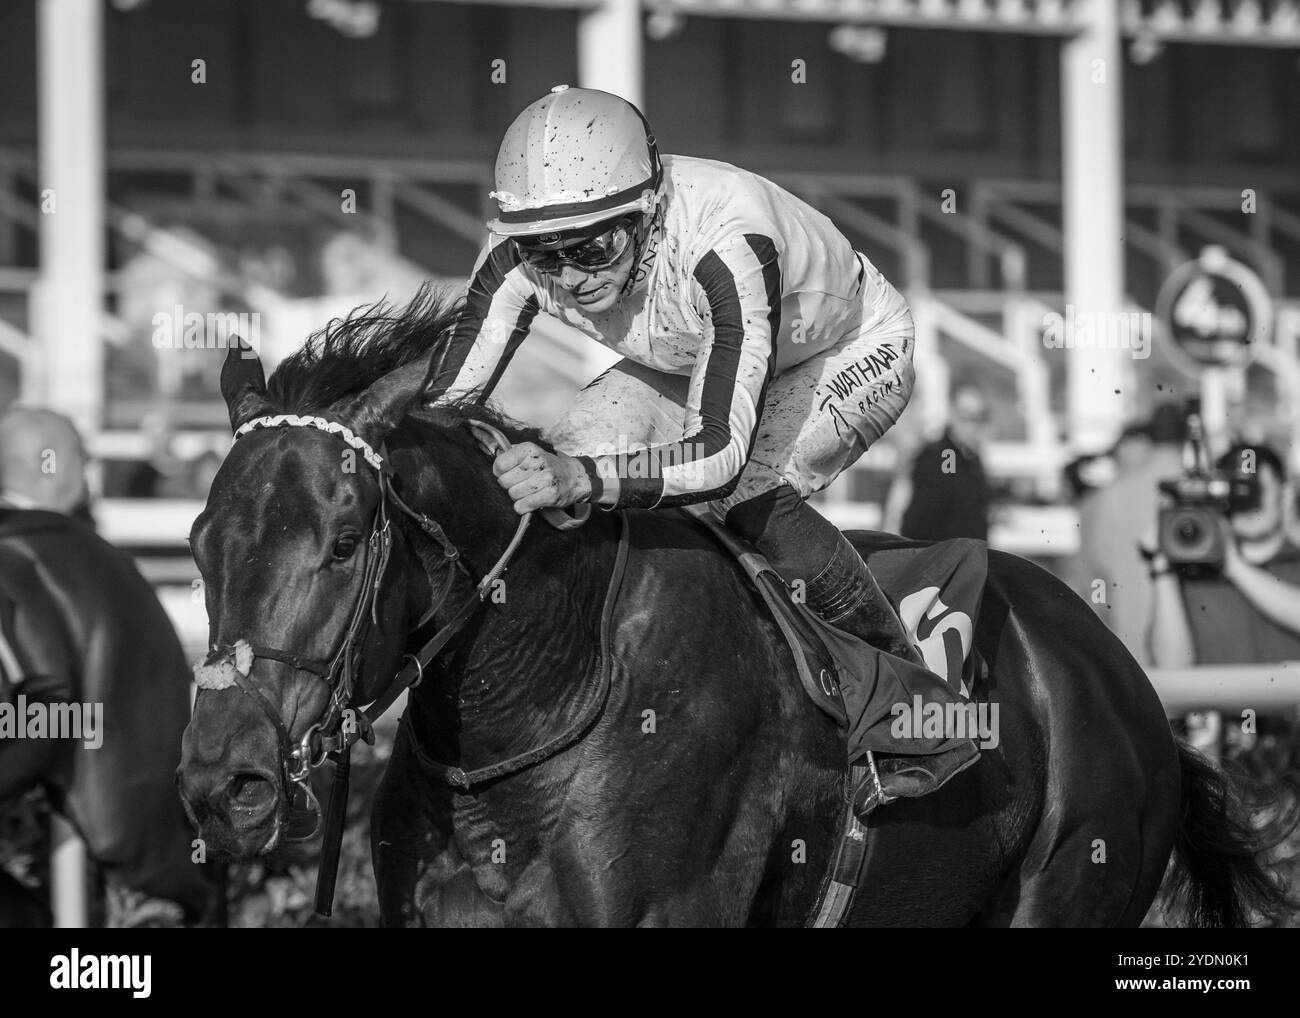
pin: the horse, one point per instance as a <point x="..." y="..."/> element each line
<point x="83" y="626"/>
<point x="572" y="758"/>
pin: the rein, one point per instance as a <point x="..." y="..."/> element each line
<point x="341" y="725"/>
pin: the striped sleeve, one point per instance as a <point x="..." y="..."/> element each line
<point x="498" y="313"/>
<point x="741" y="283"/>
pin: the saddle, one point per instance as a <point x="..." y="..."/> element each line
<point x="936" y="590"/>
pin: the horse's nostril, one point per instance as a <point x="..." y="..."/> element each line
<point x="250" y="790"/>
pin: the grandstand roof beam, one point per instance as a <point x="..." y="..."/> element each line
<point x="1210" y="22"/>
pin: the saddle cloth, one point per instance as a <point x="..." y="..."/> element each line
<point x="936" y="591"/>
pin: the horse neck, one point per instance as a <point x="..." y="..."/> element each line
<point x="530" y="659"/>
<point x="454" y="485"/>
<point x="529" y="654"/>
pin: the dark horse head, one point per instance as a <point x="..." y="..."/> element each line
<point x="284" y="548"/>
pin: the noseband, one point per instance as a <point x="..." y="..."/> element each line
<point x="341" y="724"/>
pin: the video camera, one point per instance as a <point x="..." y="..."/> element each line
<point x="1189" y="525"/>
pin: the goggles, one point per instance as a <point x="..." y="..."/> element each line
<point x="549" y="252"/>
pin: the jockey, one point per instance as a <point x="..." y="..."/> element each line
<point x="762" y="356"/>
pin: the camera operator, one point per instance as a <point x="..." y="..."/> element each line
<point x="1241" y="603"/>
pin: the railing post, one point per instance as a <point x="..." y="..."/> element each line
<point x="70" y="97"/>
<point x="1025" y="323"/>
<point x="977" y="260"/>
<point x="1091" y="91"/>
<point x="932" y="375"/>
<point x="69" y="886"/>
<point x="610" y="46"/>
<point x="383" y="201"/>
<point x="909" y="221"/>
<point x="8" y="228"/>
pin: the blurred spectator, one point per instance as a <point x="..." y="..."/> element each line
<point x="357" y="266"/>
<point x="947" y="494"/>
<point x="42" y="463"/>
<point x="1248" y="610"/>
<point x="1114" y="518"/>
<point x="81" y="626"/>
<point x="200" y="471"/>
<point x="153" y="477"/>
<point x="1085" y="475"/>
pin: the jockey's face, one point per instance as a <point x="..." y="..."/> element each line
<point x="592" y="267"/>
<point x="596" y="292"/>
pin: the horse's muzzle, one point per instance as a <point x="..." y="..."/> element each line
<point x="238" y="813"/>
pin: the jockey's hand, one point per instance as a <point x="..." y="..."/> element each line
<point x="537" y="479"/>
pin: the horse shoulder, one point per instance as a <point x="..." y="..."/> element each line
<point x="688" y="779"/>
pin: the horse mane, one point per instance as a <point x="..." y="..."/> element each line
<point x="351" y="353"/>
<point x="455" y="413"/>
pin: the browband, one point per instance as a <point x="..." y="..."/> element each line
<point x="320" y="424"/>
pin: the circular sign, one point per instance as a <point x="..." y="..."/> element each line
<point x="1215" y="313"/>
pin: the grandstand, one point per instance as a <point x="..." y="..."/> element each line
<point x="1002" y="161"/>
<point x="287" y="160"/>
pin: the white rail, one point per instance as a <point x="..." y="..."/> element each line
<point x="69" y="877"/>
<point x="1263" y="688"/>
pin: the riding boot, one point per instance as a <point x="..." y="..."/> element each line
<point x="846" y="595"/>
<point x="801" y="544"/>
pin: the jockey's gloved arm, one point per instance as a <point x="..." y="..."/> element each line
<point x="739" y="289"/>
<point x="498" y="314"/>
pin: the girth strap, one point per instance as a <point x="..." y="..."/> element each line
<point x="840" y="883"/>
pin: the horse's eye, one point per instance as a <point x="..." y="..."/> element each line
<point x="344" y="547"/>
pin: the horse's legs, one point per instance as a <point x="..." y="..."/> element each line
<point x="19" y="907"/>
<point x="396" y="836"/>
<point x="420" y="877"/>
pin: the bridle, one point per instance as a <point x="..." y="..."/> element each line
<point x="341" y="724"/>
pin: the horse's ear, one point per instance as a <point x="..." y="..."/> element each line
<point x="490" y="439"/>
<point x="243" y="384"/>
<point x="373" y="413"/>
